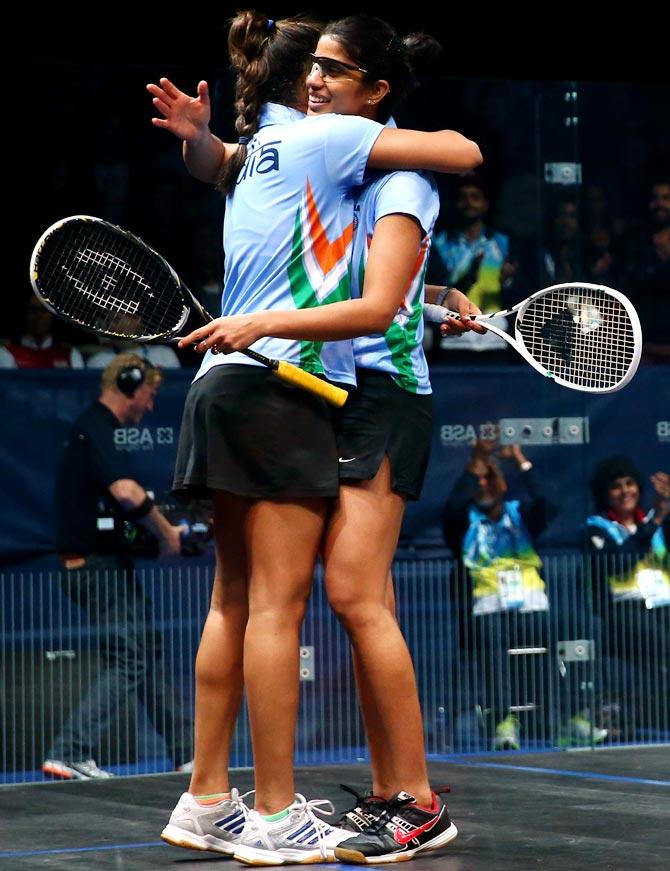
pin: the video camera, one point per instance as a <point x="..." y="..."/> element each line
<point x="195" y="514"/>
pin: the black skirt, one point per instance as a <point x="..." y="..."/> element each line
<point x="247" y="432"/>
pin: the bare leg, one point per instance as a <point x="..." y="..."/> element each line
<point x="359" y="591"/>
<point x="219" y="678"/>
<point x="283" y="541"/>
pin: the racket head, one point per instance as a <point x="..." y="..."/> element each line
<point x="107" y="281"/>
<point x="583" y="336"/>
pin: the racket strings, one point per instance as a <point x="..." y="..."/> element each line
<point x="583" y="336"/>
<point x="107" y="281"/>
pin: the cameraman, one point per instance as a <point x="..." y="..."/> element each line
<point x="94" y="498"/>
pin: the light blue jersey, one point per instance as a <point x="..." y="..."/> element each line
<point x="289" y="226"/>
<point x="399" y="350"/>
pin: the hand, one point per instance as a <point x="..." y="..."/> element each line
<point x="485" y="447"/>
<point x="512" y="452"/>
<point x="224" y="335"/>
<point x="480" y="460"/>
<point x="457" y="301"/>
<point x="602" y="264"/>
<point x="171" y="544"/>
<point x="187" y="117"/>
<point x="508" y="271"/>
<point x="661" y="484"/>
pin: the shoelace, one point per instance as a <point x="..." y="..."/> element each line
<point x="316" y="805"/>
<point x="363" y="802"/>
<point x="392" y="805"/>
<point x="238" y="800"/>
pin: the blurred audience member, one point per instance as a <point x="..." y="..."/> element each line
<point x="206" y="266"/>
<point x="161" y="356"/>
<point x="111" y="168"/>
<point x="575" y="250"/>
<point x="500" y="595"/>
<point x="470" y="256"/>
<point x="37" y="348"/>
<point x="601" y="225"/>
<point x="646" y="255"/>
<point x="473" y="258"/>
<point x="631" y="589"/>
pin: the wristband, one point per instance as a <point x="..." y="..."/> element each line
<point x="442" y="295"/>
<point x="141" y="510"/>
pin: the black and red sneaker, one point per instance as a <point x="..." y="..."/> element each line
<point x="367" y="808"/>
<point x="401" y="831"/>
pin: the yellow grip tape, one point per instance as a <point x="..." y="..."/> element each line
<point x="288" y="372"/>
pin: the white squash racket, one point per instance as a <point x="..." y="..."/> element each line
<point x="583" y="336"/>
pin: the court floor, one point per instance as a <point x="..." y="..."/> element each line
<point x="603" y="809"/>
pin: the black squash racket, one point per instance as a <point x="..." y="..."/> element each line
<point x="110" y="282"/>
<point x="583" y="336"/>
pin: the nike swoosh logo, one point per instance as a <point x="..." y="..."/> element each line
<point x="406" y="837"/>
<point x="350" y="460"/>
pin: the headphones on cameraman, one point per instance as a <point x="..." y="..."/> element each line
<point x="131" y="378"/>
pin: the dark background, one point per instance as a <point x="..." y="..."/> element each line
<point x="83" y="68"/>
<point x="585" y="40"/>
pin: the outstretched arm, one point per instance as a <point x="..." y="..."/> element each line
<point x="441" y="151"/>
<point x="188" y="118"/>
<point x="391" y="260"/>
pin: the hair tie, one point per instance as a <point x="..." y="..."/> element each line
<point x="270" y="25"/>
<point x="243" y="140"/>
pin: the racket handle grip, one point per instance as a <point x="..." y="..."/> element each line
<point x="293" y="375"/>
<point x="437" y="313"/>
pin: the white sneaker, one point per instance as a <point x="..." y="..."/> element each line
<point x="299" y="838"/>
<point x="215" y="827"/>
<point x="85" y="769"/>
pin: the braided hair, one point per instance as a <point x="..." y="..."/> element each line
<point x="271" y="60"/>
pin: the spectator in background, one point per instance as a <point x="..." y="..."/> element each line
<point x="562" y="256"/>
<point x="631" y="590"/>
<point x="646" y="277"/>
<point x="570" y="255"/>
<point x="111" y="168"/>
<point x="162" y="356"/>
<point x="37" y="348"/>
<point x="500" y="595"/>
<point x="601" y="225"/>
<point x="473" y="258"/>
<point x="206" y="266"/>
<point x="95" y="496"/>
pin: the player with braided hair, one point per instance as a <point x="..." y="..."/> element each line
<point x="268" y="456"/>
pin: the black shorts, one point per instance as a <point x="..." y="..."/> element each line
<point x="381" y="418"/>
<point x="249" y="433"/>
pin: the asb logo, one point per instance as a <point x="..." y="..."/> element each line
<point x="455" y="435"/>
<point x="134" y="438"/>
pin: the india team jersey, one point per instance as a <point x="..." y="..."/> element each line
<point x="289" y="226"/>
<point x="399" y="350"/>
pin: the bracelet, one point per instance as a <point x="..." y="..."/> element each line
<point x="442" y="295"/>
<point x="141" y="510"/>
